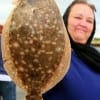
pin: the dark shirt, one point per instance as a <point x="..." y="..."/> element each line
<point x="80" y="83"/>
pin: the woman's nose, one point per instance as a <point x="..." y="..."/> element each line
<point x="83" y="23"/>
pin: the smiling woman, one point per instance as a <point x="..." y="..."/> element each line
<point x="80" y="24"/>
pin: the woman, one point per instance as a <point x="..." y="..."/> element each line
<point x="7" y="87"/>
<point x="82" y="82"/>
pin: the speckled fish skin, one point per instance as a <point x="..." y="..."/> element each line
<point x="35" y="46"/>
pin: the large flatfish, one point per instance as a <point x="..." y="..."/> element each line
<point x="35" y="46"/>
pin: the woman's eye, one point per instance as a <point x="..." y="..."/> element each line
<point x="78" y="17"/>
<point x="89" y="21"/>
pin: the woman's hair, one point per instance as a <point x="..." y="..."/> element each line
<point x="68" y="10"/>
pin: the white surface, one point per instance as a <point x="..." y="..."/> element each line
<point x="4" y="78"/>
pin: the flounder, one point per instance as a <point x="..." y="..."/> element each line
<point x="35" y="46"/>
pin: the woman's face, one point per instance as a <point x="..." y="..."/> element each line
<point x="80" y="23"/>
